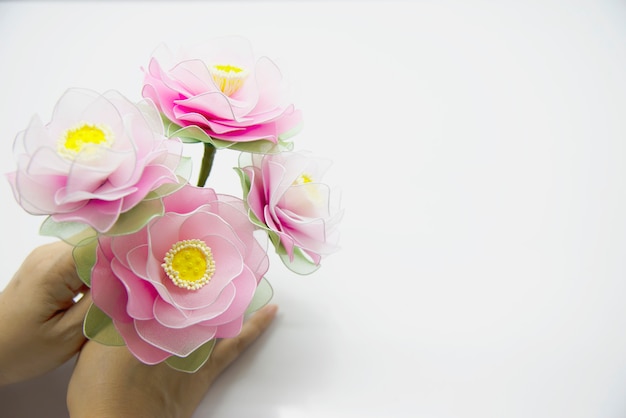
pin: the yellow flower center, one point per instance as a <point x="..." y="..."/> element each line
<point x="189" y="264"/>
<point x="83" y="137"/>
<point x="228" y="78"/>
<point x="303" y="179"/>
<point x="312" y="190"/>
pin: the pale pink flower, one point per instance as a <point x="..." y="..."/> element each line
<point x="285" y="197"/>
<point x="220" y="88"/>
<point x="184" y="279"/>
<point x="99" y="156"/>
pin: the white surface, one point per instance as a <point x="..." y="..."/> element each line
<point x="481" y="150"/>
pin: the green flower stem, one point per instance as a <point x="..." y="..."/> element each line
<point x="207" y="163"/>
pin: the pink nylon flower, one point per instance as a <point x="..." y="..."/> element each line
<point x="145" y="281"/>
<point x="221" y="89"/>
<point x="99" y="156"/>
<point x="286" y="198"/>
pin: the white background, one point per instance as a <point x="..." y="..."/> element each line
<point x="480" y="148"/>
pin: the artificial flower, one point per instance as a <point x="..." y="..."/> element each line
<point x="98" y="157"/>
<point x="183" y="280"/>
<point x="173" y="267"/>
<point x="285" y="197"/>
<point x="221" y="89"/>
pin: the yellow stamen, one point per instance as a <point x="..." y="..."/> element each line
<point x="83" y="137"/>
<point x="303" y="179"/>
<point x="228" y="78"/>
<point x="189" y="264"/>
<point x="310" y="189"/>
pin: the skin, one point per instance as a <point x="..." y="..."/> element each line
<point x="110" y="382"/>
<point x="40" y="325"/>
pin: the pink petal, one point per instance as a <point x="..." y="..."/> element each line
<point x="162" y="97"/>
<point x="36" y="194"/>
<point x="173" y="317"/>
<point x="99" y="214"/>
<point x="274" y="173"/>
<point x="258" y="261"/>
<point x="142" y="350"/>
<point x="44" y="161"/>
<point x="310" y="200"/>
<point x="267" y="131"/>
<point x="213" y="105"/>
<point x="308" y="232"/>
<point x="152" y="177"/>
<point x="123" y="246"/>
<point x="204" y="223"/>
<point x="107" y="291"/>
<point x="230" y="329"/>
<point x="180" y="342"/>
<point x="271" y="89"/>
<point x="256" y="196"/>
<point x="163" y="233"/>
<point x="137" y="259"/>
<point x="246" y="285"/>
<point x="228" y="264"/>
<point x="270" y="219"/>
<point x="188" y="199"/>
<point x="141" y="294"/>
<point x="192" y="77"/>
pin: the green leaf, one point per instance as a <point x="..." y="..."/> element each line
<point x="185" y="168"/>
<point x="256" y="221"/>
<point x="301" y="264"/>
<point x="99" y="327"/>
<point x="136" y="218"/>
<point x="262" y="295"/>
<point x="165" y="189"/>
<point x="193" y="134"/>
<point x="189" y="134"/>
<point x="193" y="361"/>
<point x="257" y="147"/>
<point x="71" y="232"/>
<point x="85" y="258"/>
<point x="245" y="181"/>
<point x="170" y="127"/>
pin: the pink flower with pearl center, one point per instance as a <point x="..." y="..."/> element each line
<point x="184" y="279"/>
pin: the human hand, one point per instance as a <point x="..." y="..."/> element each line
<point x="40" y="325"/>
<point x="109" y="382"/>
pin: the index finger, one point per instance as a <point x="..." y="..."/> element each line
<point x="228" y="350"/>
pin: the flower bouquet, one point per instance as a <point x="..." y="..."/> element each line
<point x="173" y="266"/>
